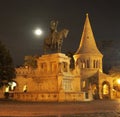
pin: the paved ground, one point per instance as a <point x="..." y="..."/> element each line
<point x="97" y="108"/>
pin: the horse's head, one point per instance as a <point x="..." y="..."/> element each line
<point x="64" y="33"/>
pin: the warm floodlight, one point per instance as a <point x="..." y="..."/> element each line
<point x="118" y="81"/>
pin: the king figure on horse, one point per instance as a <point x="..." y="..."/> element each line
<point x="55" y="39"/>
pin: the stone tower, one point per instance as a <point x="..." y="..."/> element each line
<point x="88" y="57"/>
<point x="88" y="62"/>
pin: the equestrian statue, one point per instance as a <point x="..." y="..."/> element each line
<point x="54" y="40"/>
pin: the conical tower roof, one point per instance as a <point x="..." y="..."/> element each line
<point x="88" y="44"/>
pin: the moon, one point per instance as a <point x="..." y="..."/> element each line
<point x="38" y="32"/>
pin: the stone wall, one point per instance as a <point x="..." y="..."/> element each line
<point x="49" y="97"/>
<point x="1" y="95"/>
<point x="2" y="90"/>
<point x="52" y="81"/>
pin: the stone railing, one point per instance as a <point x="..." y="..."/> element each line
<point x="24" y="71"/>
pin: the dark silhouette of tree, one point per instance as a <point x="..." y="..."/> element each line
<point x="111" y="53"/>
<point x="31" y="61"/>
<point x="7" y="70"/>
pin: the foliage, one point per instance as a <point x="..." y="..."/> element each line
<point x="7" y="70"/>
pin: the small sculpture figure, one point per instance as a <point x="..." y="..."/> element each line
<point x="53" y="26"/>
<point x="53" y="29"/>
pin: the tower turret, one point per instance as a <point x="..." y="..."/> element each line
<point x="88" y="56"/>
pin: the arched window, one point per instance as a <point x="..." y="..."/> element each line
<point x="105" y="89"/>
<point x="88" y="64"/>
<point x="97" y="64"/>
<point x="83" y="65"/>
<point x="94" y="65"/>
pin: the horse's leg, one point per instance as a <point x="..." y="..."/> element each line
<point x="59" y="47"/>
<point x="55" y="44"/>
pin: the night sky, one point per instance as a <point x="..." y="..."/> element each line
<point x="19" y="18"/>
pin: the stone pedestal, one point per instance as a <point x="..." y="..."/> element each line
<point x="52" y="80"/>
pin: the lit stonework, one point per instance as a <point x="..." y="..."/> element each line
<point x="88" y="55"/>
<point x="89" y="60"/>
<point x="54" y="80"/>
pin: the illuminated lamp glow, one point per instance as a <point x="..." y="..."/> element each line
<point x="118" y="81"/>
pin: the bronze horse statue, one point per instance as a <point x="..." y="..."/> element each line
<point x="54" y="41"/>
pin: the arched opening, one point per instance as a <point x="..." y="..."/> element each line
<point x="83" y="64"/>
<point x="105" y="90"/>
<point x="116" y="88"/>
<point x="88" y="64"/>
<point x="94" y="91"/>
<point x="25" y="88"/>
<point x="94" y="64"/>
<point x="97" y="64"/>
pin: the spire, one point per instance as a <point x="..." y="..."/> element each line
<point x="87" y="44"/>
